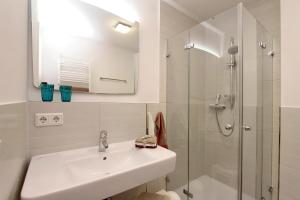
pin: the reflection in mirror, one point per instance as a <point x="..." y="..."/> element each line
<point x="77" y="43"/>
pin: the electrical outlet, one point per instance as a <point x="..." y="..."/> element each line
<point x="41" y="119"/>
<point x="49" y="119"/>
<point x="56" y="119"/>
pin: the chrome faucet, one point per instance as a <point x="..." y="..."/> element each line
<point x="103" y="145"/>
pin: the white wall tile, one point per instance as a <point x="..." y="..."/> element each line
<point x="156" y="108"/>
<point x="289" y="154"/>
<point x="123" y="121"/>
<point x="156" y="185"/>
<point x="82" y="125"/>
<point x="13" y="149"/>
<point x="80" y="129"/>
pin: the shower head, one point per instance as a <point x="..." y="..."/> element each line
<point x="233" y="50"/>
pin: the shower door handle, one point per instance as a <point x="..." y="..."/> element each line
<point x="246" y="128"/>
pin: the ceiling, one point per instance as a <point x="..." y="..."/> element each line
<point x="201" y="10"/>
<point x="267" y="12"/>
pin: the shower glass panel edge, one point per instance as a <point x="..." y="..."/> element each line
<point x="240" y="97"/>
<point x="257" y="109"/>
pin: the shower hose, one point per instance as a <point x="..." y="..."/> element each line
<point x="229" y="127"/>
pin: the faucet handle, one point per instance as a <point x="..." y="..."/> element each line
<point x="218" y="98"/>
<point x="103" y="134"/>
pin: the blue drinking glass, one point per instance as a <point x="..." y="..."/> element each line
<point x="47" y="91"/>
<point x="65" y="92"/>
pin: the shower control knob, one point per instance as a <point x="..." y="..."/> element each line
<point x="270" y="189"/>
<point x="228" y="127"/>
<point x="246" y="128"/>
<point x="262" y="45"/>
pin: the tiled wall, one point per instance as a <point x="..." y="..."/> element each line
<point x="289" y="154"/>
<point x="80" y="128"/>
<point x="13" y="149"/>
<point x="20" y="138"/>
<point x="82" y="124"/>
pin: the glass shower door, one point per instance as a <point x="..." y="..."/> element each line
<point x="213" y="108"/>
<point x="267" y="113"/>
<point x="257" y="110"/>
<point x="220" y="109"/>
<point x="177" y="111"/>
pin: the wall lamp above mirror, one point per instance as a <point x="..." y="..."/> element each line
<point x="87" y="44"/>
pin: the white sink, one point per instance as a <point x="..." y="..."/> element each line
<point x="87" y="174"/>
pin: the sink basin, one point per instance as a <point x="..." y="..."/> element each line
<point x="87" y="174"/>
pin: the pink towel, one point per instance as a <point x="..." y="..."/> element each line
<point x="160" y="130"/>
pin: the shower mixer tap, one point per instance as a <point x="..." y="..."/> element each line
<point x="228" y="127"/>
<point x="217" y="106"/>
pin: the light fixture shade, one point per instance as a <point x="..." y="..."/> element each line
<point x="122" y="28"/>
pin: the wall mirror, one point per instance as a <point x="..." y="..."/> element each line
<point x="77" y="43"/>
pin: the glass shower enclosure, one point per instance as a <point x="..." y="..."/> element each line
<point x="219" y="109"/>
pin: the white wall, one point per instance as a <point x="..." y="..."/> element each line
<point x="13" y="87"/>
<point x="13" y="51"/>
<point x="290" y="30"/>
<point x="290" y="100"/>
<point x="148" y="73"/>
